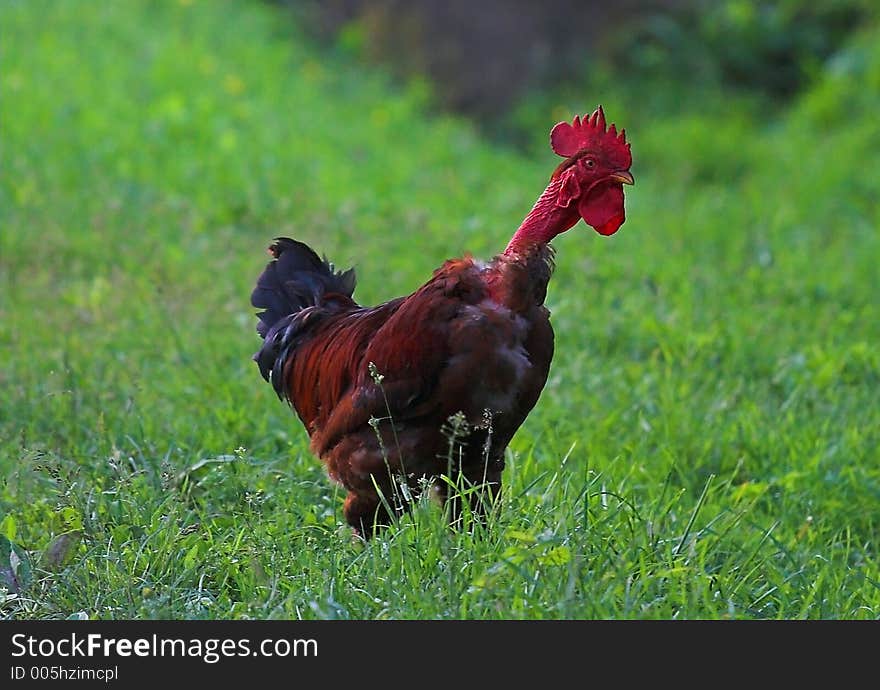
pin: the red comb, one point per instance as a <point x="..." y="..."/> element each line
<point x="567" y="139"/>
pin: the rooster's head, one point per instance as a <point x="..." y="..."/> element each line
<point x="596" y="166"/>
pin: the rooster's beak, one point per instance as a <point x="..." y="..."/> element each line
<point x="623" y="176"/>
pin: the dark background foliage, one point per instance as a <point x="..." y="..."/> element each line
<point x="482" y="57"/>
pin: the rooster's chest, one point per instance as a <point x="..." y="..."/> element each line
<point x="495" y="361"/>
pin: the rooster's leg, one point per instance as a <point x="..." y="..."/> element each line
<point x="365" y="513"/>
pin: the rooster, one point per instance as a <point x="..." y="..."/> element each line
<point x="431" y="387"/>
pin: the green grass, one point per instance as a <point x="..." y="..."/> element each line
<point x="706" y="445"/>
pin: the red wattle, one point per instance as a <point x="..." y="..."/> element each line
<point x="611" y="226"/>
<point x="602" y="208"/>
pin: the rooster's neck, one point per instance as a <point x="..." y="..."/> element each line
<point x="546" y="220"/>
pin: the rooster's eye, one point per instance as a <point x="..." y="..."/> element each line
<point x="590" y="163"/>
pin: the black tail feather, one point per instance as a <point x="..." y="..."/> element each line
<point x="294" y="280"/>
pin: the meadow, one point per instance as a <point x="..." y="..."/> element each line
<point x="706" y="445"/>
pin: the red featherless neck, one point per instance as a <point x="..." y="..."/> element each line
<point x="546" y="220"/>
